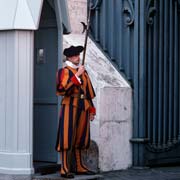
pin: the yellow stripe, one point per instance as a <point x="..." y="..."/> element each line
<point x="63" y="156"/>
<point x="66" y="126"/>
<point x="65" y="77"/>
<point x="65" y="161"/>
<point x="58" y="147"/>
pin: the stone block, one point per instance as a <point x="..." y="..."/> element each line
<point x="115" y="104"/>
<point x="114" y="146"/>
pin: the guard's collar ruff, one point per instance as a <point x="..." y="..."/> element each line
<point x="69" y="63"/>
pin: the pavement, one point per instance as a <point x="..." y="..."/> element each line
<point x="160" y="173"/>
<point x="163" y="173"/>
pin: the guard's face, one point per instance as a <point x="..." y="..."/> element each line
<point x="75" y="59"/>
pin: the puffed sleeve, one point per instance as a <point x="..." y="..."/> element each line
<point x="65" y="83"/>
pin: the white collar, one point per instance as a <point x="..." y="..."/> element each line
<point x="69" y="63"/>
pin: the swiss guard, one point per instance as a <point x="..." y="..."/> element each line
<point x="77" y="110"/>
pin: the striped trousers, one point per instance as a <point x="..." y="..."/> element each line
<point x="73" y="119"/>
<point x="77" y="120"/>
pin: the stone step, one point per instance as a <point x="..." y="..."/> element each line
<point x="58" y="177"/>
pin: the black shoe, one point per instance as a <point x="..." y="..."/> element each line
<point x="68" y="175"/>
<point x="88" y="172"/>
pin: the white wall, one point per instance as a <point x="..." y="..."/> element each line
<point x="16" y="85"/>
<point x="77" y="13"/>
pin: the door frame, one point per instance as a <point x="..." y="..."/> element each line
<point x="57" y="10"/>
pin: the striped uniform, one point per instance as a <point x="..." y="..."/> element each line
<point x="74" y="113"/>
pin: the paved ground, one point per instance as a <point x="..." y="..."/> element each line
<point x="165" y="173"/>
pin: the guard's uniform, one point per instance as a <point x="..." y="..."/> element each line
<point x="74" y="114"/>
<point x="69" y="87"/>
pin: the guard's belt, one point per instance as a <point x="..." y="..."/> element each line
<point x="80" y="96"/>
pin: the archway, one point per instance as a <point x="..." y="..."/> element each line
<point x="45" y="100"/>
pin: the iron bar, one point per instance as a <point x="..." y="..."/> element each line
<point x="178" y="77"/>
<point x="104" y="25"/>
<point x="170" y="72"/>
<point x="97" y="25"/>
<point x="155" y="75"/>
<point x="178" y="97"/>
<point x="119" y="33"/>
<point x="136" y="85"/>
<point x="175" y="73"/>
<point x="150" y="82"/>
<point x="160" y="73"/>
<point x="142" y="73"/>
<point x="111" y="29"/>
<point x="165" y="73"/>
<point x="127" y="61"/>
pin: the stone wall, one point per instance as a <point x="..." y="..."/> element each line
<point x="78" y="14"/>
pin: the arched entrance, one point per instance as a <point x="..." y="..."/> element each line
<point x="45" y="100"/>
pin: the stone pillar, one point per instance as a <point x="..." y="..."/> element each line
<point x="16" y="105"/>
<point x="112" y="128"/>
<point x="115" y="127"/>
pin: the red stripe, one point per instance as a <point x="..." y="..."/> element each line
<point x="92" y="110"/>
<point x="75" y="80"/>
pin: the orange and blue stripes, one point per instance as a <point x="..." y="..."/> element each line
<point x="64" y="162"/>
<point x="65" y="87"/>
<point x="65" y="131"/>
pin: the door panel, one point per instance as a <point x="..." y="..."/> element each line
<point x="45" y="126"/>
<point x="45" y="100"/>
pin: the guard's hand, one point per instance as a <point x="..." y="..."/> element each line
<point x="80" y="71"/>
<point x="91" y="117"/>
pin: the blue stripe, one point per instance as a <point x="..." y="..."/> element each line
<point x="70" y="130"/>
<point x="83" y="137"/>
<point x="61" y="128"/>
<point x="81" y="104"/>
<point x="78" y="116"/>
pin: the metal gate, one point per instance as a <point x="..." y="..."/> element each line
<point x="141" y="38"/>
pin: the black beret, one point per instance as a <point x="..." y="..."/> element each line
<point x="73" y="51"/>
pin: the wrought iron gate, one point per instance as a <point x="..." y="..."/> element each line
<point x="141" y="38"/>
